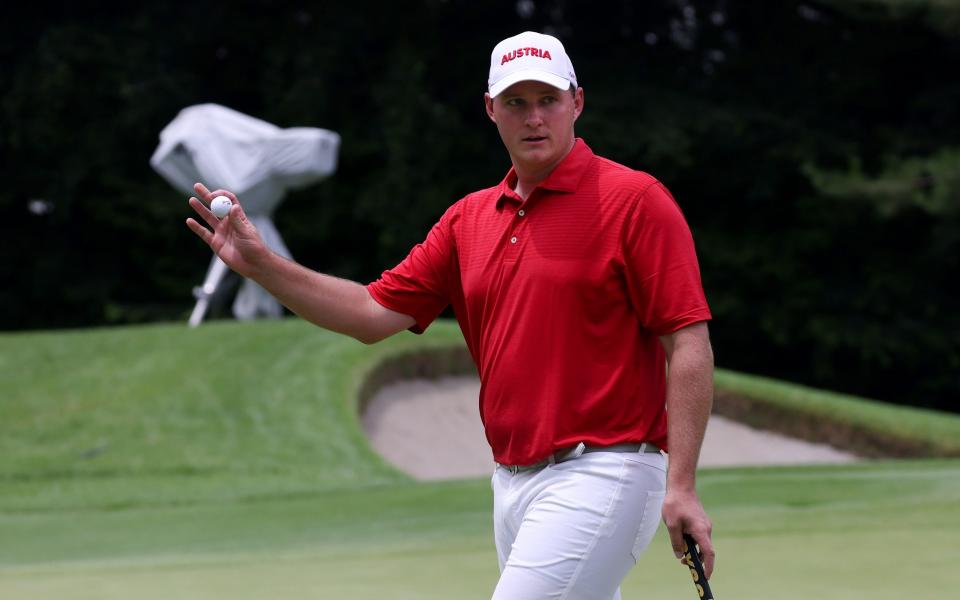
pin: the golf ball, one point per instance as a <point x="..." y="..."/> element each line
<point x="220" y="206"/>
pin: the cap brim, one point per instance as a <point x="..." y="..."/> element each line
<point x="549" y="78"/>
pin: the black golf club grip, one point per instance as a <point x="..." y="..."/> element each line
<point x="692" y="555"/>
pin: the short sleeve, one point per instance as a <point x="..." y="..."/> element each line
<point x="660" y="264"/>
<point x="420" y="286"/>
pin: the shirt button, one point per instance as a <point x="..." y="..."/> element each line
<point x="513" y="240"/>
<point x="520" y="212"/>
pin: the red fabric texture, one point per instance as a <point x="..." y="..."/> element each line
<point x="563" y="322"/>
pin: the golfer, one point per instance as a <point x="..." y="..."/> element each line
<point x="576" y="285"/>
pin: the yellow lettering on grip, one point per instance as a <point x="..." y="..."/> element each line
<point x="693" y="571"/>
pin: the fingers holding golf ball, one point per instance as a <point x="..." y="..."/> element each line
<point x="232" y="237"/>
<point x="218" y="201"/>
<point x="214" y="209"/>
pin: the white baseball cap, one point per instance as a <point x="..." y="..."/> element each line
<point x="530" y="56"/>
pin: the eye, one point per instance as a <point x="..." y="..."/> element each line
<point x="515" y="102"/>
<point x="548" y="99"/>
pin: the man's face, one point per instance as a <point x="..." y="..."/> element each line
<point x="535" y="121"/>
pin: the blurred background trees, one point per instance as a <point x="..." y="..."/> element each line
<point x="814" y="147"/>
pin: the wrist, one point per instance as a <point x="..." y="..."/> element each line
<point x="681" y="484"/>
<point x="261" y="263"/>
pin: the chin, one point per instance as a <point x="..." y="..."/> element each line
<point x="541" y="153"/>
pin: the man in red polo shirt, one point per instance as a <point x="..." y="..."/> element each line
<point x="576" y="285"/>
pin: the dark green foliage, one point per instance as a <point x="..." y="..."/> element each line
<point x="813" y="147"/>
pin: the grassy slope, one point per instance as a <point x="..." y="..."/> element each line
<point x="938" y="431"/>
<point x="129" y="470"/>
<point x="165" y="414"/>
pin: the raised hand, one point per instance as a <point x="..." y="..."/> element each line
<point x="234" y="238"/>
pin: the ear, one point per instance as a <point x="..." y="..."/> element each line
<point x="488" y="101"/>
<point x="577" y="103"/>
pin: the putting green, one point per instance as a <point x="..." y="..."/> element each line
<point x="875" y="530"/>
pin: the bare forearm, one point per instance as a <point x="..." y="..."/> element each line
<point x="332" y="303"/>
<point x="336" y="304"/>
<point x="689" y="401"/>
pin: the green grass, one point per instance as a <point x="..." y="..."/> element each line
<point x="227" y="462"/>
<point x="879" y="531"/>
<point x="936" y="431"/>
<point x="161" y="414"/>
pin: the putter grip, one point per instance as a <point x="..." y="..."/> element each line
<point x="692" y="555"/>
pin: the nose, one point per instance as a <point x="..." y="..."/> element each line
<point x="534" y="116"/>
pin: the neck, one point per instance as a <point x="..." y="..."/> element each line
<point x="529" y="176"/>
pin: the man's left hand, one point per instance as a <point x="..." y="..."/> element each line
<point x="683" y="513"/>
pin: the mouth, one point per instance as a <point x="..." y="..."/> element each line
<point x="534" y="139"/>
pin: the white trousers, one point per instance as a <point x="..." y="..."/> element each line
<point x="573" y="530"/>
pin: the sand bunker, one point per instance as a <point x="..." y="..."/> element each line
<point x="431" y="430"/>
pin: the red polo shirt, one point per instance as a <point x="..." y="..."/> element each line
<point x="561" y="299"/>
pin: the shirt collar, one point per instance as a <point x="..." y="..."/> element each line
<point x="565" y="177"/>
